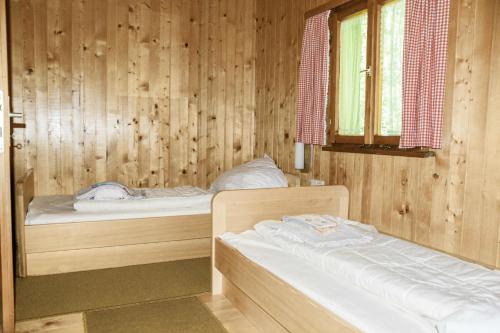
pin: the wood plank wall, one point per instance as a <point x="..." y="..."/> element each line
<point x="167" y="92"/>
<point x="451" y="202"/>
<point x="147" y="92"/>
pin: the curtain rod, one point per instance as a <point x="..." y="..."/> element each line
<point x="323" y="8"/>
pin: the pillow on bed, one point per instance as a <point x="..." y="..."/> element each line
<point x="105" y="191"/>
<point x="259" y="173"/>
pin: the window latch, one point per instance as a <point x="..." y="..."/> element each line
<point x="367" y="71"/>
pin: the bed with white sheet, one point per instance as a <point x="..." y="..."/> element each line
<point x="185" y="200"/>
<point x="322" y="274"/>
<point x="53" y="237"/>
<point x="65" y="233"/>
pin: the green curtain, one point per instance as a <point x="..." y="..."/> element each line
<point x="352" y="81"/>
<point x="391" y="61"/>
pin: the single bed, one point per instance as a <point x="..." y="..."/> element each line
<point x="53" y="238"/>
<point x="280" y="292"/>
<point x="255" y="291"/>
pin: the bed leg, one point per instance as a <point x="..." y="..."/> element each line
<point x="216" y="281"/>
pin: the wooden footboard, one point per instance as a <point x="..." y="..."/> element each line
<point x="270" y="303"/>
<point x="25" y="190"/>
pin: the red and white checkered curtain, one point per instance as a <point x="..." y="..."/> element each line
<point x="424" y="71"/>
<point x="313" y="81"/>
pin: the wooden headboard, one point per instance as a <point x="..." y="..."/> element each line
<point x="293" y="180"/>
<point x="237" y="211"/>
<point x="25" y="191"/>
<point x="240" y="210"/>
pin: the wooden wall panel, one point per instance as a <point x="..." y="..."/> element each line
<point x="168" y="92"/>
<point x="149" y="92"/>
<point x="451" y="202"/>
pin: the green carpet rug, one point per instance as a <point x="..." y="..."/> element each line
<point x="49" y="295"/>
<point x="185" y="315"/>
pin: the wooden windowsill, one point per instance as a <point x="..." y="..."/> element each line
<point x="379" y="150"/>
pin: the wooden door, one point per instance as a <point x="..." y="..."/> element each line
<point x="6" y="261"/>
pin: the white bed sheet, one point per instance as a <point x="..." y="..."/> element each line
<point x="151" y="199"/>
<point x="361" y="309"/>
<point x="59" y="208"/>
<point x="456" y="295"/>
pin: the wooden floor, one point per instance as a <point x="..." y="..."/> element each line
<point x="70" y="323"/>
<point x="229" y="316"/>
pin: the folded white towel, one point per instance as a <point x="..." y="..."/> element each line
<point x="325" y="223"/>
<point x="318" y="230"/>
<point x="107" y="191"/>
<point x="321" y="223"/>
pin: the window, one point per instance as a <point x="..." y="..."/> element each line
<point x="352" y="81"/>
<point x="366" y="72"/>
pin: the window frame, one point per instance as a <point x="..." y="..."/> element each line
<point x="373" y="86"/>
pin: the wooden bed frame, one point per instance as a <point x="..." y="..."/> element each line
<point x="268" y="302"/>
<point x="69" y="247"/>
<point x="79" y="246"/>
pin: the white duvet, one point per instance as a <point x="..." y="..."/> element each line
<point x="162" y="202"/>
<point x="361" y="309"/>
<point x="455" y="295"/>
<point x="151" y="199"/>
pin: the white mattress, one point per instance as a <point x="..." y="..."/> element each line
<point x="163" y="199"/>
<point x="456" y="295"/>
<point x="361" y="309"/>
<point x="161" y="202"/>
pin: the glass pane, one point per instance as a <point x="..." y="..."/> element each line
<point x="353" y="35"/>
<point x="391" y="67"/>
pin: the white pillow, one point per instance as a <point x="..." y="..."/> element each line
<point x="105" y="191"/>
<point x="259" y="173"/>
